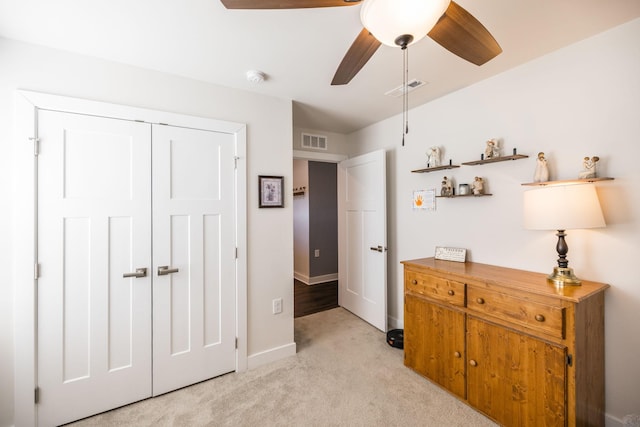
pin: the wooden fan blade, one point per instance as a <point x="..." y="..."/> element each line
<point x="462" y="34"/>
<point x="285" y="4"/>
<point x="358" y="54"/>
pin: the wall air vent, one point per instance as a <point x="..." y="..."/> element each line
<point x="314" y="142"/>
<point x="411" y="86"/>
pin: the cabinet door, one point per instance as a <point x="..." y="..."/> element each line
<point x="434" y="343"/>
<point x="514" y="378"/>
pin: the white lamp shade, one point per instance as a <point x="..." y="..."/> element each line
<point x="389" y="19"/>
<point x="563" y="207"/>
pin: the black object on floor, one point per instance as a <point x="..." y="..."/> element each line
<point x="395" y="338"/>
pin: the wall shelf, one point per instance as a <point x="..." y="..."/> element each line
<point x="496" y="159"/>
<point x="464" y="195"/>
<point x="435" y="168"/>
<point x="567" y="181"/>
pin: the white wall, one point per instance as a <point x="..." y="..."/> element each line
<point x="583" y="100"/>
<point x="269" y="152"/>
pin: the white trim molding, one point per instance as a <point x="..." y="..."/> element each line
<point x="272" y="355"/>
<point x="315" y="280"/>
<point x="321" y="157"/>
<point x="24" y="236"/>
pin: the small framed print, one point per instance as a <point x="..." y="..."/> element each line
<point x="271" y="194"/>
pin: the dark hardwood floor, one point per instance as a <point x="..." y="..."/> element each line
<point x="309" y="299"/>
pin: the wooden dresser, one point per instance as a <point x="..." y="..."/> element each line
<point x="507" y="342"/>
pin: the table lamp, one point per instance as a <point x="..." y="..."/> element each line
<point x="562" y="207"/>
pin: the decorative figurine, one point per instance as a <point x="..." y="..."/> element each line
<point x="589" y="167"/>
<point x="433" y="157"/>
<point x="492" y="150"/>
<point x="477" y="186"/>
<point x="542" y="172"/>
<point x="447" y="187"/>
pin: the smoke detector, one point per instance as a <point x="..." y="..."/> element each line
<point x="255" y="76"/>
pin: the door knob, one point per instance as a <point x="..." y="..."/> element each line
<point x="164" y="270"/>
<point x="140" y="272"/>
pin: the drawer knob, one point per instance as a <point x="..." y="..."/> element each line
<point x="473" y="362"/>
<point x="457" y="354"/>
<point x="539" y="317"/>
<point x="451" y="292"/>
<point x="480" y="300"/>
<point x="414" y="282"/>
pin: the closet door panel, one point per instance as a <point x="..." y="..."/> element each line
<point x="194" y="238"/>
<point x="94" y="226"/>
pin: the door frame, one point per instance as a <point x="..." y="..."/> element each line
<point x="24" y="237"/>
<point x="317" y="157"/>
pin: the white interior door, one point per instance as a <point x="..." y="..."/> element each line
<point x="94" y="325"/>
<point x="362" y="249"/>
<point x="194" y="239"/>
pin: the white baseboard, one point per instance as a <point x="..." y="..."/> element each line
<point x="611" y="421"/>
<point x="301" y="277"/>
<point x="315" y="280"/>
<point x="271" y="355"/>
<point x="394" y="323"/>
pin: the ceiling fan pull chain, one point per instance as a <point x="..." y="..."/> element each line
<point x="406" y="89"/>
<point x="403" y="41"/>
<point x="405" y="125"/>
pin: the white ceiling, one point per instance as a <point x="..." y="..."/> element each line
<point x="299" y="50"/>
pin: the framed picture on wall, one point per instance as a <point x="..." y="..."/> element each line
<point x="270" y="191"/>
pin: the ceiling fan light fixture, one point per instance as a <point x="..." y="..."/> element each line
<point x="387" y="20"/>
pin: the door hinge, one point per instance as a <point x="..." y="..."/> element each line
<point x="36" y="271"/>
<point x="36" y="395"/>
<point x="235" y="162"/>
<point x="236" y="252"/>
<point x="36" y="145"/>
<point x="569" y="359"/>
<point x="236" y="343"/>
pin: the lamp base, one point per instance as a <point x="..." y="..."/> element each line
<point x="563" y="276"/>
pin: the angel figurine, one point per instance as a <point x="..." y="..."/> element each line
<point x="491" y="149"/>
<point x="589" y="165"/>
<point x="541" y="173"/>
<point x="477" y="186"/>
<point x="433" y="157"/>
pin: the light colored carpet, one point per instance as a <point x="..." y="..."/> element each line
<point x="344" y="374"/>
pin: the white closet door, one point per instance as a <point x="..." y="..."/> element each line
<point x="194" y="238"/>
<point x="94" y="325"/>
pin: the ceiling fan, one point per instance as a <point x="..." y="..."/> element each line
<point x="398" y="23"/>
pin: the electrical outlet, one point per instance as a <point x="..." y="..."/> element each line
<point x="316" y="253"/>
<point x="277" y="306"/>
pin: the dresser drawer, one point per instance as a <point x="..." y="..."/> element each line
<point x="542" y="317"/>
<point x="434" y="287"/>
